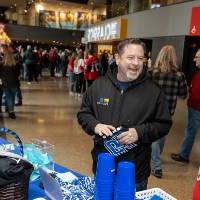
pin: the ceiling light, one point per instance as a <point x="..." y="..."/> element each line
<point x="39" y="7"/>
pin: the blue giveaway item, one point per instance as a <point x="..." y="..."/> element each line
<point x="37" y="157"/>
<point x="105" y="171"/>
<point x="105" y="176"/>
<point x="125" y="181"/>
<point x="156" y="197"/>
<point x="113" y="145"/>
<point x="80" y="188"/>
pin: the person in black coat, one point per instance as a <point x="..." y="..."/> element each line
<point x="126" y="97"/>
<point x="9" y="74"/>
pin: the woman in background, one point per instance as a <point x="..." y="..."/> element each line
<point x="166" y="74"/>
<point x="9" y="74"/>
<point x="79" y="72"/>
<point x="71" y="75"/>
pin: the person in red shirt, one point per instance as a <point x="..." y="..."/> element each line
<point x="91" y="68"/>
<point x="196" y="190"/>
<point x="53" y="56"/>
<point x="193" y="116"/>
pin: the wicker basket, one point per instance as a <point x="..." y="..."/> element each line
<point x="14" y="191"/>
<point x="19" y="190"/>
<point x="148" y="194"/>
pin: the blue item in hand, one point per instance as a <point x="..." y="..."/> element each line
<point x="113" y="145"/>
<point x="156" y="197"/>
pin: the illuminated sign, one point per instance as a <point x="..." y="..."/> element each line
<point x="111" y="30"/>
<point x="195" y="22"/>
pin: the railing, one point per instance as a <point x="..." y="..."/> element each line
<point x="133" y="6"/>
<point x="117" y="9"/>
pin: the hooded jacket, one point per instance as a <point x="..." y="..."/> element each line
<point x="10" y="76"/>
<point x="141" y="106"/>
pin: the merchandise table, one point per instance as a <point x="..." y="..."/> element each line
<point x="35" y="191"/>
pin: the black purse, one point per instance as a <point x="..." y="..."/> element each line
<point x="15" y="172"/>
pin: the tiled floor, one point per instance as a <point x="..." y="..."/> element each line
<point x="49" y="113"/>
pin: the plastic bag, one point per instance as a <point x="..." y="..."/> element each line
<point x="40" y="154"/>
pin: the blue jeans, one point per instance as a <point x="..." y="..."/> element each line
<point x="10" y="98"/>
<point x="71" y="81"/>
<point x="141" y="185"/>
<point x="190" y="132"/>
<point x="157" y="149"/>
<point x="25" y="71"/>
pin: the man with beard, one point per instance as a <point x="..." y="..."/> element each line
<point x="126" y="97"/>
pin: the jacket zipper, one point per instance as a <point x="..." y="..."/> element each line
<point x="120" y="106"/>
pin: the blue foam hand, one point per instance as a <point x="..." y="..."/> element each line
<point x="113" y="145"/>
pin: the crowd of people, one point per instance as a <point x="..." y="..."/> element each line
<point x="79" y="67"/>
<point x="126" y="93"/>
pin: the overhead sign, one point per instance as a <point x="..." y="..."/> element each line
<point x="195" y="21"/>
<point x="111" y="30"/>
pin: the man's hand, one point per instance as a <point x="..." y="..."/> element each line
<point x="104" y="130"/>
<point x="128" y="137"/>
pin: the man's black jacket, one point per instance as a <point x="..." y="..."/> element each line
<point x="142" y="106"/>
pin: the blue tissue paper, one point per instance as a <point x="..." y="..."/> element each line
<point x="38" y="158"/>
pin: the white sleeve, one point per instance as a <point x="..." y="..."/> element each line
<point x="82" y="63"/>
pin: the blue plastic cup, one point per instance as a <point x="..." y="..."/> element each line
<point x="105" y="175"/>
<point x="104" y="191"/>
<point x="105" y="171"/>
<point x="124" y="195"/>
<point x="125" y="181"/>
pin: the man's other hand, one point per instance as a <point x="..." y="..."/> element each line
<point x="128" y="137"/>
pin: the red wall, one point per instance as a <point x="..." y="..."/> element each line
<point x="195" y="22"/>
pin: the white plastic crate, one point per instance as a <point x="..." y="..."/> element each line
<point x="148" y="194"/>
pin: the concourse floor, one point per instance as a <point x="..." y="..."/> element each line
<point x="49" y="113"/>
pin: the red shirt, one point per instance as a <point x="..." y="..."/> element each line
<point x="194" y="93"/>
<point x="90" y="59"/>
<point x="196" y="190"/>
<point x="71" y="65"/>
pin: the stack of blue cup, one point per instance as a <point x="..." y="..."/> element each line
<point x="105" y="174"/>
<point x="125" y="181"/>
